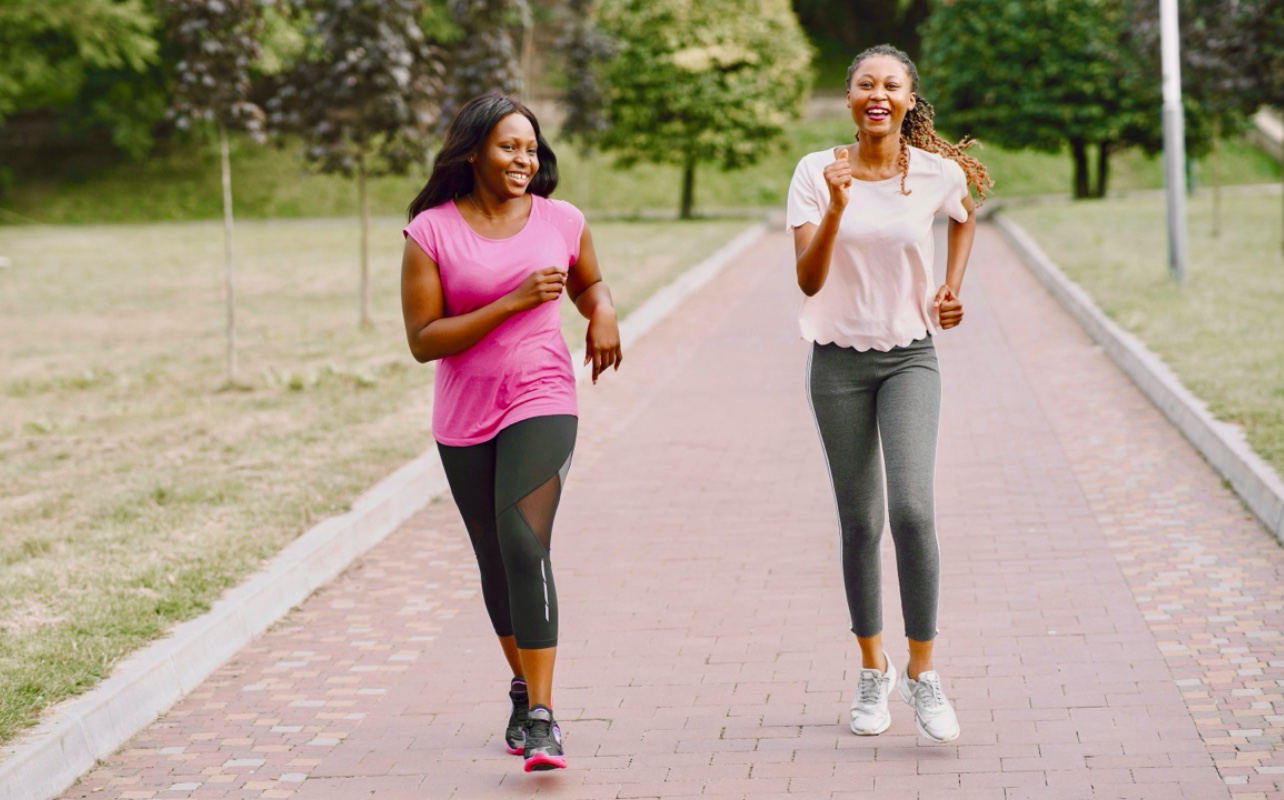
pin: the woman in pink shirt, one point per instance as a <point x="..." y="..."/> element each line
<point x="862" y="219"/>
<point x="487" y="257"/>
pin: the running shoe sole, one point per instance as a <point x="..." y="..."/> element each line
<point x="543" y="761"/>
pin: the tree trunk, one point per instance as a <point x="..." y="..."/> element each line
<point x="584" y="186"/>
<point x="528" y="53"/>
<point x="688" y="188"/>
<point x="225" y="156"/>
<point x="1079" y="151"/>
<point x="365" y="238"/>
<point x="1103" y="167"/>
<point x="1215" y="159"/>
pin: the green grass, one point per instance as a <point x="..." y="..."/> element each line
<point x="135" y="490"/>
<point x="1220" y="330"/>
<point x="269" y="182"/>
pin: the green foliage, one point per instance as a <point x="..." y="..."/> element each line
<point x="48" y="46"/>
<point x="702" y="82"/>
<point x="1040" y="73"/>
<point x="1029" y="74"/>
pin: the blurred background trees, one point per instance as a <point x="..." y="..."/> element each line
<point x="712" y="82"/>
<point x="86" y="84"/>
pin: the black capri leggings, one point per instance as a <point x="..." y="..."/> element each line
<point x="507" y="490"/>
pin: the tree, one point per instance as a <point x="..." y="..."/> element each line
<point x="52" y="50"/>
<point x="219" y="41"/>
<point x="711" y="81"/>
<point x="46" y="46"/>
<point x="364" y="95"/>
<point x="484" y="58"/>
<point x="1041" y="74"/>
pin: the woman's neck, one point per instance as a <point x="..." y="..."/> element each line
<point x="878" y="153"/>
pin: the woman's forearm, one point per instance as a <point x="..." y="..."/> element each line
<point x="958" y="249"/>
<point x="450" y="335"/>
<point x="813" y="261"/>
<point x="594" y="299"/>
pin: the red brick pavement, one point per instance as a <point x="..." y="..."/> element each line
<point x="1110" y="615"/>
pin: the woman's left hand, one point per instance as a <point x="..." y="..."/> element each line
<point x="948" y="306"/>
<point x="603" y="342"/>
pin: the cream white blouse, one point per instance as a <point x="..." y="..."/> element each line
<point x="879" y="290"/>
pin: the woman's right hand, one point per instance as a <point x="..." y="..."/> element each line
<point x="539" y="287"/>
<point x="838" y="177"/>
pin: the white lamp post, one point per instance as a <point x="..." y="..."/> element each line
<point x="1174" y="138"/>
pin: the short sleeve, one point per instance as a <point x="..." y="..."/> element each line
<point x="803" y="206"/>
<point x="569" y="222"/>
<point x="955" y="190"/>
<point x="424" y="233"/>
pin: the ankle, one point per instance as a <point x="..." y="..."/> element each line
<point x="876" y="661"/>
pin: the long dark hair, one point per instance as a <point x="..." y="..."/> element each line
<point x="918" y="128"/>
<point x="452" y="175"/>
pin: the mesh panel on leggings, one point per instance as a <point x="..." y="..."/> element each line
<point x="539" y="507"/>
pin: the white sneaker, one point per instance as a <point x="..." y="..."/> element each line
<point x="933" y="714"/>
<point x="869" y="708"/>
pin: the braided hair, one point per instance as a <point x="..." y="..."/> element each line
<point x="917" y="128"/>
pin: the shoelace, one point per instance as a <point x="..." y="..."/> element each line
<point x="868" y="689"/>
<point x="930" y="694"/>
<point x="538" y="729"/>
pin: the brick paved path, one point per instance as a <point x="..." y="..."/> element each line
<point x="1110" y="618"/>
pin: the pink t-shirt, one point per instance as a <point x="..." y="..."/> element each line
<point x="521" y="369"/>
<point x="878" y="294"/>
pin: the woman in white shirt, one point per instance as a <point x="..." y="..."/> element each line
<point x="862" y="219"/>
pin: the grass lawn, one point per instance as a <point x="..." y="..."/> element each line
<point x="134" y="490"/>
<point x="183" y="183"/>
<point x="1222" y="331"/>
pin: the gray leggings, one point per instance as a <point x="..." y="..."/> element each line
<point x="858" y="397"/>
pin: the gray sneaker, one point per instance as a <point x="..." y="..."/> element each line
<point x="933" y="714"/>
<point x="869" y="707"/>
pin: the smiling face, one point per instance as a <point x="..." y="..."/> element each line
<point x="880" y="94"/>
<point x="508" y="159"/>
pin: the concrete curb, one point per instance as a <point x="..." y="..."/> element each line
<point x="45" y="762"/>
<point x="1221" y="444"/>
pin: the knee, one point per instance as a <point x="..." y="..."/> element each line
<point x="862" y="531"/>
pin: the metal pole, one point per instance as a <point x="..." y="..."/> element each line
<point x="1174" y="139"/>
